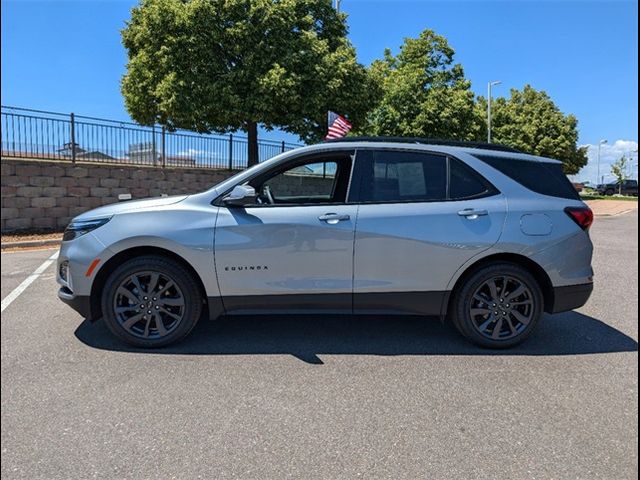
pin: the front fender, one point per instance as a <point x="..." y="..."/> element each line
<point x="188" y="234"/>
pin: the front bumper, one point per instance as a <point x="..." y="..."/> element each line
<point x="80" y="303"/>
<point x="74" y="260"/>
<point x="571" y="297"/>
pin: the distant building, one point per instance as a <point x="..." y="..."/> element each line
<point x="145" y="153"/>
<point x="81" y="153"/>
<point x="180" y="161"/>
<point x="67" y="149"/>
<point x="94" y="155"/>
<point x="302" y="170"/>
<point x="320" y="169"/>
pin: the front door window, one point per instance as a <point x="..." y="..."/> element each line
<point x="310" y="183"/>
<point x="315" y="182"/>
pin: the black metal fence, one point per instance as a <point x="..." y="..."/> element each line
<point x="38" y="134"/>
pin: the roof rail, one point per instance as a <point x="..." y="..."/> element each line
<point x="428" y="141"/>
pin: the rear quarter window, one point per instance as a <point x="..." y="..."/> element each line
<point x="540" y="177"/>
<point x="466" y="183"/>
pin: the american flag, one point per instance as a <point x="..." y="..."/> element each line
<point x="338" y="126"/>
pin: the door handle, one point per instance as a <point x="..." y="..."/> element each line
<point x="472" y="214"/>
<point x="333" y="218"/>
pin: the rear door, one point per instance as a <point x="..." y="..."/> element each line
<point x="421" y="217"/>
<point x="293" y="249"/>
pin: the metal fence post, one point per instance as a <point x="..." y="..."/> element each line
<point x="73" y="138"/>
<point x="231" y="151"/>
<point x="154" y="148"/>
<point x="282" y="146"/>
<point x="164" y="161"/>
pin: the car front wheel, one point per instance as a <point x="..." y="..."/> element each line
<point x="151" y="301"/>
<point x="498" y="306"/>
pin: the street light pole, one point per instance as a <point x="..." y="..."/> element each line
<point x="600" y="143"/>
<point x="490" y="85"/>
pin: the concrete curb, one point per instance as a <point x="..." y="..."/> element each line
<point x="31" y="244"/>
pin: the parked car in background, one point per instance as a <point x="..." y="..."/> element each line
<point x="578" y="186"/>
<point x="629" y="187"/>
<point x="468" y="233"/>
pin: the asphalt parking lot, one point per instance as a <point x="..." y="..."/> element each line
<point x="324" y="397"/>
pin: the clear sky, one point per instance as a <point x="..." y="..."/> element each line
<point x="67" y="56"/>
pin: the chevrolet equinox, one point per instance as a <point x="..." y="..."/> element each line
<point x="482" y="235"/>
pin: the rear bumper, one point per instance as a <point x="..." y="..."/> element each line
<point x="571" y="297"/>
<point x="80" y="303"/>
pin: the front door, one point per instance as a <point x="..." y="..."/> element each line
<point x="292" y="249"/>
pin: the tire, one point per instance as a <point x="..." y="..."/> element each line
<point x="609" y="193"/>
<point x="474" y="309"/>
<point x="175" y="309"/>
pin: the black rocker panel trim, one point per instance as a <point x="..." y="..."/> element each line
<point x="288" y="303"/>
<point x="215" y="307"/>
<point x="399" y="303"/>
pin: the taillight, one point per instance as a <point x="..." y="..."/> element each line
<point x="583" y="216"/>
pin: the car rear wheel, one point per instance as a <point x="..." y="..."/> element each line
<point x="151" y="301"/>
<point x="609" y="192"/>
<point x="498" y="306"/>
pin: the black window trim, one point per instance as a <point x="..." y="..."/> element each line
<point x="491" y="191"/>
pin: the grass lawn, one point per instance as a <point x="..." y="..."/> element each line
<point x="595" y="196"/>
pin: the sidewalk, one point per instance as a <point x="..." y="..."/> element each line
<point x="611" y="207"/>
<point x="18" y="241"/>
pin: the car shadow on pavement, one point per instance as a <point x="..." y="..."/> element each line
<point x="307" y="336"/>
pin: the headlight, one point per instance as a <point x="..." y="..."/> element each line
<point x="79" y="228"/>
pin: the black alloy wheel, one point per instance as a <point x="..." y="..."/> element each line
<point x="498" y="306"/>
<point x="149" y="304"/>
<point x="151" y="301"/>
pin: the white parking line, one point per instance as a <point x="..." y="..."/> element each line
<point x="27" y="281"/>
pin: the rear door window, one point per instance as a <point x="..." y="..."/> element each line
<point x="401" y="176"/>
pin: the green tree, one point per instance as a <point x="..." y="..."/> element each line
<point x="619" y="170"/>
<point x="228" y="65"/>
<point x="530" y="121"/>
<point x="423" y="92"/>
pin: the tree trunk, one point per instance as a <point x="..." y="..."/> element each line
<point x="252" y="144"/>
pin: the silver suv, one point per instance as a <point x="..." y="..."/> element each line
<point x="482" y="235"/>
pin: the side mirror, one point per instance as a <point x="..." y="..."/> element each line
<point x="240" y="195"/>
